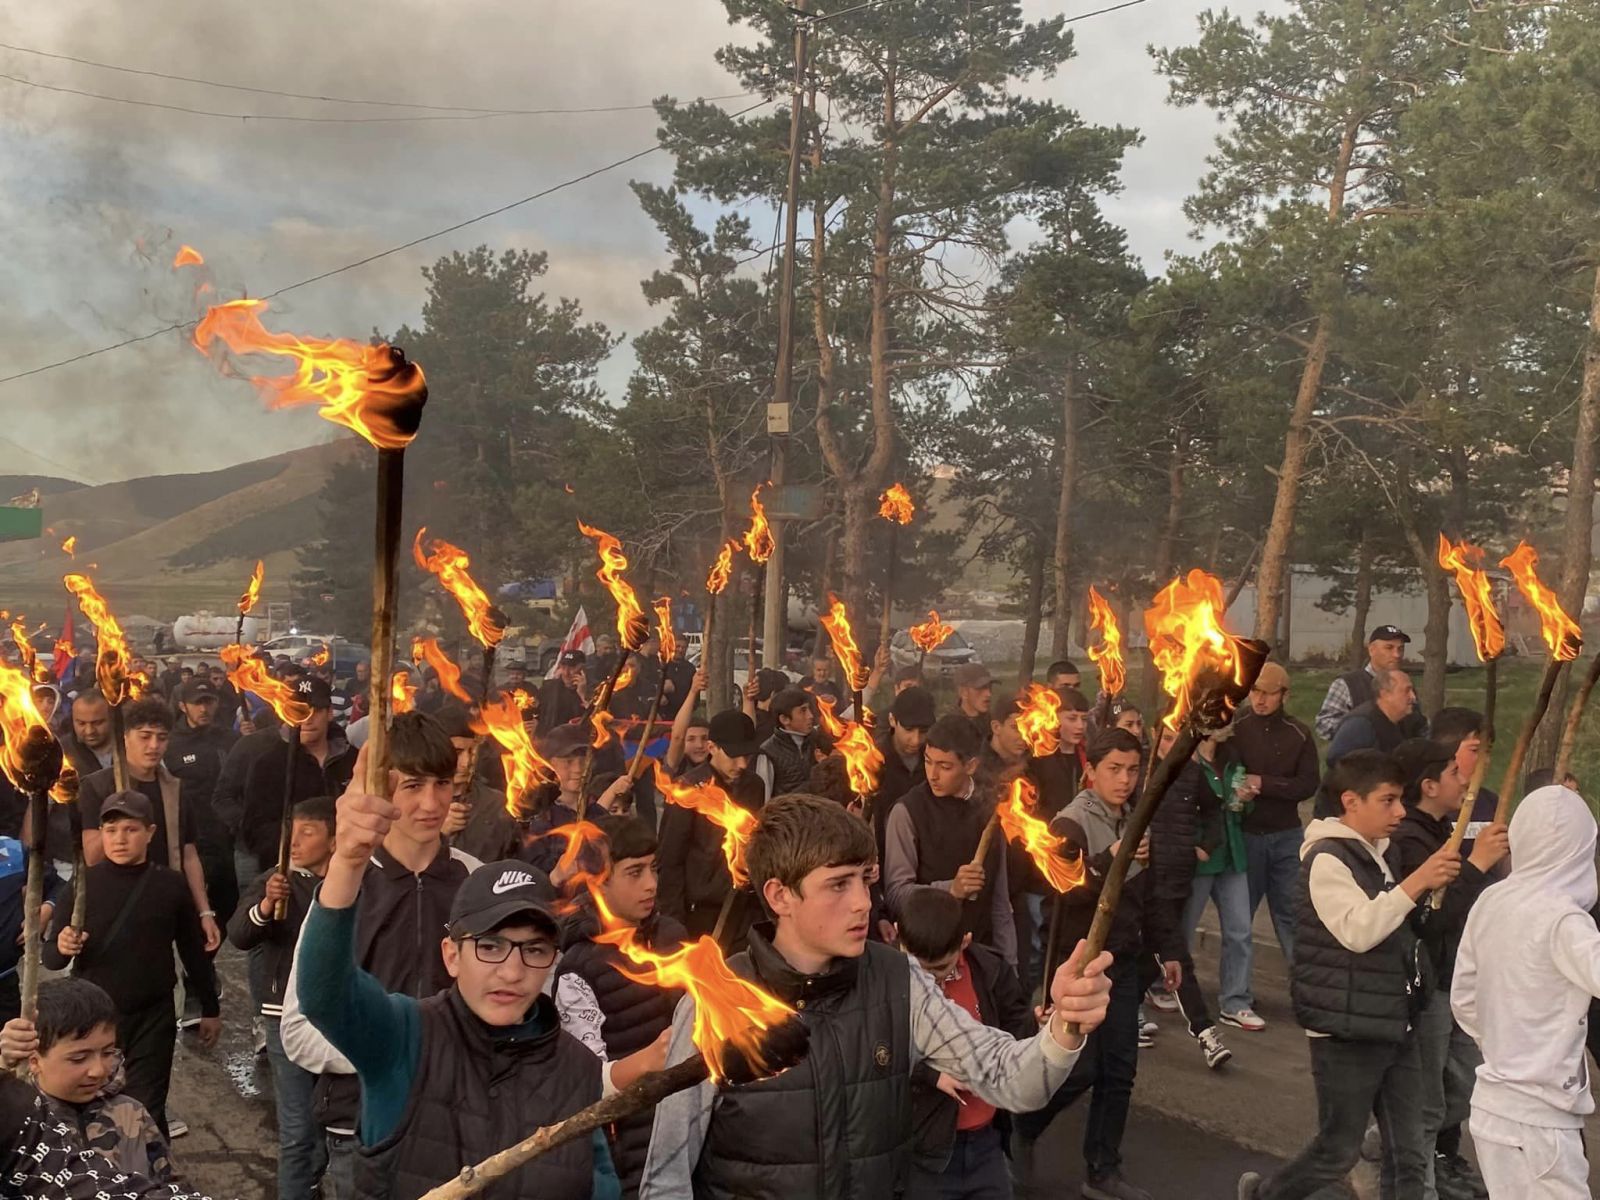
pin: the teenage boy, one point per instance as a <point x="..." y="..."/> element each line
<point x="410" y="883"/>
<point x="1056" y="778"/>
<point x="197" y="749"/>
<point x="467" y="1072"/>
<point x="175" y="832"/>
<point x="960" y="1146"/>
<point x="933" y="834"/>
<point x="478" y="823"/>
<point x="1526" y="972"/>
<point x="974" y="695"/>
<point x="901" y="744"/>
<point x="302" y="1152"/>
<point x="840" y="1123"/>
<point x="1358" y="983"/>
<point x="635" y="1016"/>
<point x="138" y="911"/>
<point x="70" y="1051"/>
<point x="792" y="747"/>
<point x="555" y="804"/>
<point x="1092" y="826"/>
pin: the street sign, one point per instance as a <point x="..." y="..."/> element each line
<point x="21" y="524"/>
<point x="778" y="418"/>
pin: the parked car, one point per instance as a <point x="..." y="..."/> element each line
<point x="343" y="653"/>
<point x="943" y="660"/>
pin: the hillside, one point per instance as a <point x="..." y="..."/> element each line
<point x="164" y="545"/>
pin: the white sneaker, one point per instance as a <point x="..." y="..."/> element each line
<point x="1245" y="1019"/>
<point x="176" y="1128"/>
<point x="1211" y="1045"/>
<point x="1161" y="1000"/>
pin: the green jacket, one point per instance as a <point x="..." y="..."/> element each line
<point x="1222" y="835"/>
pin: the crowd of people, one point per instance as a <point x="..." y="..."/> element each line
<point x="430" y="978"/>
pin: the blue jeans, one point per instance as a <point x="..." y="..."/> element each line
<point x="339" y="1181"/>
<point x="976" y="1171"/>
<point x="1231" y="892"/>
<point x="302" y="1153"/>
<point x="1273" y="861"/>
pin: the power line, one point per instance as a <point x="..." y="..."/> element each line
<point x="361" y="262"/>
<point x="506" y="110"/>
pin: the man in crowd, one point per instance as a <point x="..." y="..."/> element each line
<point x="1063" y="674"/>
<point x="1279" y="756"/>
<point x="1381" y="723"/>
<point x="1058" y="776"/>
<point x="88" y="746"/>
<point x="932" y="837"/>
<point x="195" y="753"/>
<point x="555" y="804"/>
<point x="560" y="699"/>
<point x="479" y="823"/>
<point x="901" y="743"/>
<point x="1386" y="648"/>
<point x="792" y="746"/>
<point x="974" y="693"/>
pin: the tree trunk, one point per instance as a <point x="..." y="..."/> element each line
<point x="855" y="542"/>
<point x="1061" y="631"/>
<point x="1286" y="639"/>
<point x="1034" y="616"/>
<point x="1578" y="531"/>
<point x="1363" y="600"/>
<point x="1275" y="550"/>
<point x="830" y="549"/>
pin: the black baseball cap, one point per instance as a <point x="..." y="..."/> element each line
<point x="914" y="709"/>
<point x="197" y="689"/>
<point x="733" y="733"/>
<point x="127" y="804"/>
<point x="496" y="893"/>
<point x="574" y="658"/>
<point x="1388" y="633"/>
<point x="565" y="741"/>
<point x="314" y="691"/>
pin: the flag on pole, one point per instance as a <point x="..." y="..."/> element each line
<point x="62" y="663"/>
<point x="579" y="637"/>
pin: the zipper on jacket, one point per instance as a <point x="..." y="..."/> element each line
<point x="421" y="949"/>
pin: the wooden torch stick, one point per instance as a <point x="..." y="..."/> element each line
<point x="391" y="488"/>
<point x="751" y="666"/>
<point x="636" y="767"/>
<point x="1491" y="690"/>
<point x="723" y="914"/>
<point x="1569" y="731"/>
<point x="602" y="703"/>
<point x="286" y="827"/>
<point x="1519" y="751"/>
<point x="644" y="1093"/>
<point x="119" y="749"/>
<point x="33" y="900"/>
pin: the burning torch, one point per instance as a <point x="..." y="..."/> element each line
<point x="716" y="581"/>
<point x="1565" y="641"/>
<point x="1039" y="726"/>
<point x="736" y="822"/>
<point x="632" y="630"/>
<point x="894" y="506"/>
<point x="668" y="647"/>
<point x="248" y="599"/>
<point x="863" y="760"/>
<point x="1107" y="656"/>
<point x="31" y="758"/>
<point x="837" y="622"/>
<point x="929" y="636"/>
<point x="1019" y="825"/>
<point x="759" y="545"/>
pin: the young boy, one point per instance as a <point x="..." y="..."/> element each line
<point x="634" y="1016"/>
<point x="1092" y="826"/>
<point x="469" y="1071"/>
<point x="71" y="1052"/>
<point x="1527" y="968"/>
<point x="1359" y="983"/>
<point x="302" y="1152"/>
<point x="137" y="912"/>
<point x="933" y="833"/>
<point x="839" y="1124"/>
<point x="13" y="912"/>
<point x="960" y="1146"/>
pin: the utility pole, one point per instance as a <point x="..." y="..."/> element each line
<point x="775" y="618"/>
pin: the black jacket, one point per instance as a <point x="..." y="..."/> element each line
<point x="894" y="781"/>
<point x="1415" y="840"/>
<point x="1364" y="727"/>
<point x="1283" y="751"/>
<point x="693" y="869"/>
<point x="1139" y="921"/>
<point x="1001" y="1004"/>
<point x="277" y="939"/>
<point x="1175" y="830"/>
<point x="791" y="761"/>
<point x="948" y="830"/>
<point x="195" y="757"/>
<point x="228" y="800"/>
<point x="262" y="824"/>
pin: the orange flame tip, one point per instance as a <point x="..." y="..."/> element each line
<point x="501" y="719"/>
<point x="837" y="622"/>
<point x="427" y="650"/>
<point x="1108" y="655"/>
<point x="1561" y="633"/>
<point x="758" y="541"/>
<point x="320" y="658"/>
<point x="1466" y="561"/>
<point x="368" y="388"/>
<point x="863" y="760"/>
<point x="402" y="691"/>
<point x="715" y="805"/>
<point x="19" y="716"/>
<point x="721" y="570"/>
<point x="249" y="674"/>
<point x="252" y="593"/>
<point x="1184" y="624"/>
<point x="896" y="505"/>
<point x="484" y="621"/>
<point x="187" y="256"/>
<point x="70" y="546"/>
<point x="1039" y="721"/>
<point x="631" y="624"/>
<point x="1024" y="829"/>
<point x="113" y="669"/>
<point x="664" y="630"/>
<point x="931" y="634"/>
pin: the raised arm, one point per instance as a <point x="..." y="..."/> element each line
<point x="680" y="723"/>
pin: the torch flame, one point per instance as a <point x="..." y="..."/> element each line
<point x="837" y="622"/>
<point x="251" y="594"/>
<point x="19" y="716"/>
<point x="187" y="256"/>
<point x="484" y="621"/>
<point x="931" y="634"/>
<point x="70" y="546"/>
<point x="601" y="723"/>
<point x="1561" y="632"/>
<point x="320" y="658"/>
<point x="1184" y="625"/>
<point x="758" y="541"/>
<point x="863" y="761"/>
<point x="249" y="674"/>
<point x="1039" y="722"/>
<point x="577" y="834"/>
<point x="722" y="570"/>
<point x="664" y="630"/>
<point x="370" y="389"/>
<point x="715" y="805"/>
<point x="896" y="505"/>
<point x="117" y="681"/>
<point x="728" y="1009"/>
<point x="1466" y="560"/>
<point x="402" y="692"/>
<point x="30" y="659"/>
<point x="427" y="649"/>
<point x="1108" y="655"/>
<point x="632" y="627"/>
<point x="1019" y="825"/>
<point x="501" y="719"/>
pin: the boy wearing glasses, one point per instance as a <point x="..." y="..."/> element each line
<point x="449" y="1080"/>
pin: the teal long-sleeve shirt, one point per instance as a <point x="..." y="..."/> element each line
<point x="367" y="1024"/>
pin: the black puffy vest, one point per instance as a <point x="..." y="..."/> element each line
<point x="948" y="830"/>
<point x="635" y="1015"/>
<point x="474" y="1096"/>
<point x="838" y="1126"/>
<point x="1369" y="997"/>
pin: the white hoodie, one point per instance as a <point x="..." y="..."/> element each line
<point x="1528" y="965"/>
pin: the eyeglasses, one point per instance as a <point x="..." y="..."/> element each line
<point x="536" y="954"/>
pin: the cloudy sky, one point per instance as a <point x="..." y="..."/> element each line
<point x="98" y="194"/>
